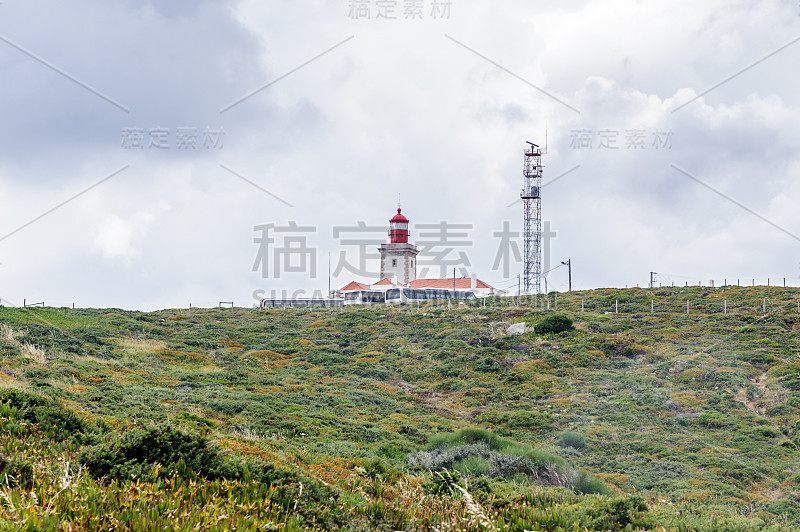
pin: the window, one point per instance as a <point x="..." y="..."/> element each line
<point x="394" y="262"/>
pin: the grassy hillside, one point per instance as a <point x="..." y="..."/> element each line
<point x="404" y="418"/>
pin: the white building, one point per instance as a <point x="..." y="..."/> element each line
<point x="399" y="267"/>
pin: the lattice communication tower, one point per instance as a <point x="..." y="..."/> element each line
<point x="532" y="220"/>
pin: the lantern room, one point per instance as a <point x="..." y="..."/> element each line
<point x="398" y="229"/>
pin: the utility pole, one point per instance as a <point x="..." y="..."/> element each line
<point x="568" y="264"/>
<point x="652" y="279"/>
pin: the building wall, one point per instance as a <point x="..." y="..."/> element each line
<point x="399" y="262"/>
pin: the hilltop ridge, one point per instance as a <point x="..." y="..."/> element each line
<point x="696" y="413"/>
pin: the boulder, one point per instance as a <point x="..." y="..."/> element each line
<point x="516" y="329"/>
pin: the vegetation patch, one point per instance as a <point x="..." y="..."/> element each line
<point x="477" y="452"/>
<point x="554" y="324"/>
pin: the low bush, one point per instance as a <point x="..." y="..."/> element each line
<point x="379" y="469"/>
<point x="17" y="473"/>
<point x="55" y="420"/>
<point x="572" y="439"/>
<point x="553" y="324"/>
<point x="629" y="512"/>
<point x="137" y="451"/>
<point x="478" y="452"/>
<point x="442" y="483"/>
<point x="163" y="451"/>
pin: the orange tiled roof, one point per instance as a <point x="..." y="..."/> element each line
<point x="461" y="284"/>
<point x="353" y="285"/>
<point x="384" y="281"/>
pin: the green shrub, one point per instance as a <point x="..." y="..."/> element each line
<point x="55" y="420"/>
<point x="473" y="466"/>
<point x="135" y="454"/>
<point x="572" y="439"/>
<point x="768" y="432"/>
<point x="376" y="468"/>
<point x="18" y="473"/>
<point x="629" y="512"/>
<point x="757" y="358"/>
<point x="478" y="452"/>
<point x="488" y="365"/>
<point x="195" y="419"/>
<point x="525" y="419"/>
<point x="712" y="420"/>
<point x="554" y="324"/>
<point x="481" y="486"/>
<point x="442" y="483"/>
<point x="465" y="436"/>
<point x="586" y="484"/>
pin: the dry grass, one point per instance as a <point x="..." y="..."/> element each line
<point x="149" y="346"/>
<point x="247" y="433"/>
<point x="8" y="382"/>
<point x="35" y="353"/>
<point x="8" y="334"/>
<point x="90" y="358"/>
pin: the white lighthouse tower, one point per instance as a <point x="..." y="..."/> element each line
<point x="398" y="257"/>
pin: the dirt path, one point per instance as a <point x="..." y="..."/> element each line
<point x="760" y="403"/>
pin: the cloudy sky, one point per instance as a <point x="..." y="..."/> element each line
<point x="157" y="154"/>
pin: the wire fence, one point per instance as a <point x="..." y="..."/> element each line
<point x="729" y="300"/>
<point x="688" y="299"/>
<point x="725" y="301"/>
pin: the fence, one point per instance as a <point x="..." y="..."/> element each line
<point x="300" y="303"/>
<point x="728" y="300"/>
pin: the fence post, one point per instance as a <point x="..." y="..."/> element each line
<point x="798" y="305"/>
<point x="726" y="307"/>
<point x="616" y="306"/>
<point x="765" y="305"/>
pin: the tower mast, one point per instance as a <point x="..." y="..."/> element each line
<point x="532" y="219"/>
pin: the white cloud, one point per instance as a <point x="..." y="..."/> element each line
<point x="398" y="108"/>
<point x="118" y="238"/>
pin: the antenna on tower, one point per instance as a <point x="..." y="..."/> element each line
<point x="398" y="201"/>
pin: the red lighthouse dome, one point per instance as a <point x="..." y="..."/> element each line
<point x="398" y="229"/>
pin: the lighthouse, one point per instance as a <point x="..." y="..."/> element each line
<point x="398" y="257"/>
